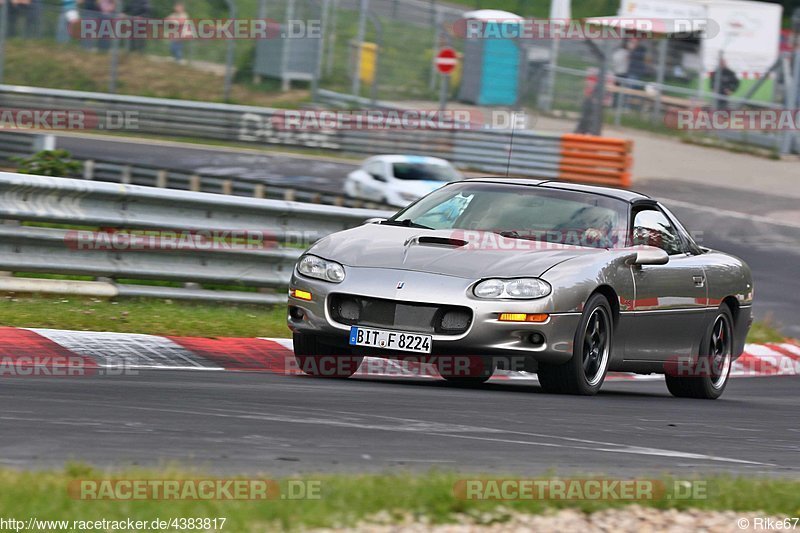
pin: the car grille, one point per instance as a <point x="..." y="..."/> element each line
<point x="405" y="316"/>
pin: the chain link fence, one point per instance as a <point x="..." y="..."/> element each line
<point x="314" y="44"/>
<point x="655" y="83"/>
<point x="320" y="48"/>
<point x="39" y="27"/>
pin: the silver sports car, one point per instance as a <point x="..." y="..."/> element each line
<point x="568" y="281"/>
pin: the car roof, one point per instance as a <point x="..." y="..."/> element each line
<point x="612" y="192"/>
<point x="400" y="158"/>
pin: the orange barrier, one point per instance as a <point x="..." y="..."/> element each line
<point x="596" y="160"/>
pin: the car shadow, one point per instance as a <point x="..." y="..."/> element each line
<point x="517" y="387"/>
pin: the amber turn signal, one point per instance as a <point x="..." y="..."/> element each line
<point x="300" y="295"/>
<point x="523" y="317"/>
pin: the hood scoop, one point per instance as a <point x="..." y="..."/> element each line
<point x="438" y="241"/>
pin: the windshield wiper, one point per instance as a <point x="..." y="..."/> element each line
<point x="406" y="223"/>
<point x="516" y="235"/>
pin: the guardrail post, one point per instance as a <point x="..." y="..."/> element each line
<point x="88" y="169"/>
<point x="288" y="195"/>
<point x="125" y="175"/>
<point x="258" y="191"/>
<point x="161" y="179"/>
<point x="194" y="183"/>
<point x="44" y="142"/>
<point x="227" y="187"/>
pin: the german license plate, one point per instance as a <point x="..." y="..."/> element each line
<point x="390" y="340"/>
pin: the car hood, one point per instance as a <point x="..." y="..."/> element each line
<point x="442" y="252"/>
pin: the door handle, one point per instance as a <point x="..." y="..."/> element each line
<point x="699" y="281"/>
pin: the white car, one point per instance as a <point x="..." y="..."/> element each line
<point x="398" y="180"/>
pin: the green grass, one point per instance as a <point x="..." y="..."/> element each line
<point x="347" y="499"/>
<point x="764" y="331"/>
<point x="39" y="63"/>
<point x="157" y="317"/>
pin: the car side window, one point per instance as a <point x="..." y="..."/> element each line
<point x="651" y="227"/>
<point x="375" y="168"/>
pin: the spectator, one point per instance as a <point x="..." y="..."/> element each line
<point x="621" y="60"/>
<point x="620" y="63"/>
<point x="108" y="10"/>
<point x="69" y="16"/>
<point x="176" y="46"/>
<point x="637" y="65"/>
<point x="138" y="9"/>
<point x="637" y="71"/>
<point x="26" y="11"/>
<point x="728" y="83"/>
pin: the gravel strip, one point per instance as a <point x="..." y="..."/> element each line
<point x="633" y="519"/>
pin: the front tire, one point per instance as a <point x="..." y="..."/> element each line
<point x="321" y="360"/>
<point x="585" y="372"/>
<point x="712" y="369"/>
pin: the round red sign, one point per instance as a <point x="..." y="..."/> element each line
<point x="446" y="60"/>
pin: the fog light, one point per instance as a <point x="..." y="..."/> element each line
<point x="300" y="295"/>
<point x="523" y="317"/>
<point x="349" y="310"/>
<point x="296" y="313"/>
<point x="537" y="339"/>
<point x="455" y="321"/>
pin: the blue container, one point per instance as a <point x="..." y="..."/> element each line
<point x="492" y="67"/>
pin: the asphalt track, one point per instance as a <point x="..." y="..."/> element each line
<point x="730" y="220"/>
<point x="234" y="422"/>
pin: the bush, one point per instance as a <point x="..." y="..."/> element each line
<point x="48" y="163"/>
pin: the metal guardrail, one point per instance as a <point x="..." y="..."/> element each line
<point x="534" y="154"/>
<point x="86" y="204"/>
<point x="20" y="144"/>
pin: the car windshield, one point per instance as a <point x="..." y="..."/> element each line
<point x="522" y="212"/>
<point x="424" y="172"/>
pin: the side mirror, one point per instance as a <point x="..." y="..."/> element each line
<point x="649" y="255"/>
<point x="377" y="177"/>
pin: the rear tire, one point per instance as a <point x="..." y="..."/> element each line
<point x="321" y="360"/>
<point x="585" y="372"/>
<point x="712" y="369"/>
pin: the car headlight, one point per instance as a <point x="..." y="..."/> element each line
<point x="319" y="268"/>
<point x="518" y="289"/>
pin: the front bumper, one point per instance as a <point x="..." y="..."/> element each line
<point x="486" y="335"/>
